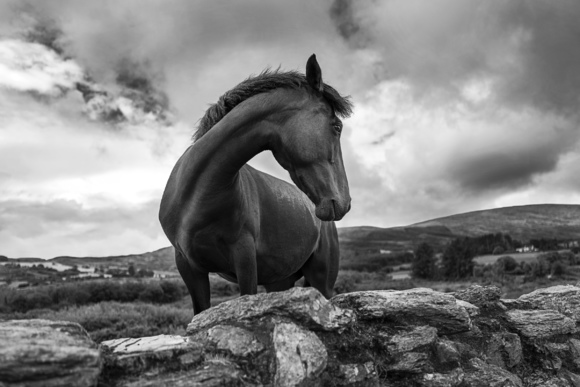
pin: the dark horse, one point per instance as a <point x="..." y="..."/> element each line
<point x="223" y="216"/>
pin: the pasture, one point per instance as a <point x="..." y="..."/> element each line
<point x="519" y="257"/>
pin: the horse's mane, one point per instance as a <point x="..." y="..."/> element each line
<point x="266" y="81"/>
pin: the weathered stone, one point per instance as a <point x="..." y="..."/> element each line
<point x="154" y="354"/>
<point x="411" y="362"/>
<point x="540" y="323"/>
<point x="482" y="374"/>
<point x="446" y="352"/>
<point x="481" y="296"/>
<point x="571" y="377"/>
<point x="451" y="379"/>
<point x="538" y="379"/>
<point x="563" y="298"/>
<point x="471" y="309"/>
<point x="574" y="346"/>
<point x="556" y="353"/>
<point x="42" y="353"/>
<point x="516" y="304"/>
<point x="237" y="341"/>
<point x="212" y="374"/>
<point x="504" y="350"/>
<point x="412" y="306"/>
<point x="412" y="340"/>
<point x="306" y="305"/>
<point x="299" y="354"/>
<point x="356" y="373"/>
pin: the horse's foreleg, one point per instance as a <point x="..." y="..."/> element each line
<point x="196" y="281"/>
<point x="321" y="269"/>
<point x="244" y="257"/>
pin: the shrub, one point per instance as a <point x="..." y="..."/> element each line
<point x="506" y="263"/>
<point x="424" y="263"/>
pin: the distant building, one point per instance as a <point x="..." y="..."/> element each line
<point x="526" y="249"/>
<point x="381" y="251"/>
<point x="164" y="274"/>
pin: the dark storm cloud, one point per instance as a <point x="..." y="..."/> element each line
<point x="189" y="44"/>
<point x="529" y="48"/>
<point x="513" y="165"/>
<point x="502" y="171"/>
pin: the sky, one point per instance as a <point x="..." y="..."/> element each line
<point x="460" y="105"/>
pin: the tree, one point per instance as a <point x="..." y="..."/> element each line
<point x="131" y="270"/>
<point x="457" y="259"/>
<point x="498" y="250"/>
<point x="424" y="263"/>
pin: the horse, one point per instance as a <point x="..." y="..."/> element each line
<point x="223" y="216"/>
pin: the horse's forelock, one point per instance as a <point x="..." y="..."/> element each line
<point x="266" y="81"/>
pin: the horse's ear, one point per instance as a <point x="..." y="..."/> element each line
<point x="314" y="74"/>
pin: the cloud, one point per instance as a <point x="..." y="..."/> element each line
<point x="50" y="228"/>
<point x="440" y="158"/>
<point x="459" y="106"/>
<point x="31" y="67"/>
<point x="526" y="48"/>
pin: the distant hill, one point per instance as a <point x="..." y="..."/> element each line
<point x="521" y="222"/>
<point x="161" y="260"/>
<point x="560" y="221"/>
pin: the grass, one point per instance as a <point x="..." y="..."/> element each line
<point x="113" y="320"/>
<point x="519" y="257"/>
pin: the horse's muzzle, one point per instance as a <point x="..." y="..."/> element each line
<point x="329" y="209"/>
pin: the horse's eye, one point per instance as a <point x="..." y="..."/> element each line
<point x="338" y="127"/>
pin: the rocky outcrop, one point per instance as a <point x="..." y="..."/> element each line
<point x="417" y="337"/>
<point x="42" y="353"/>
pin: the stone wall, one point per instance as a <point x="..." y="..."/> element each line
<point x="417" y="337"/>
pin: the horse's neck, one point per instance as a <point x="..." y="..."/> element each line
<point x="229" y="145"/>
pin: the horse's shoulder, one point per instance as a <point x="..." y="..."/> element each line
<point x="278" y="187"/>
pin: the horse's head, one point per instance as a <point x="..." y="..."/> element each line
<point x="310" y="147"/>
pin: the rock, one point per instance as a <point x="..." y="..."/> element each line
<point x="540" y="323"/>
<point x="299" y="354"/>
<point x="451" y="379"/>
<point x="573" y="378"/>
<point x="537" y="379"/>
<point x="411" y="362"/>
<point x="510" y="304"/>
<point x="481" y="296"/>
<point x="504" y="350"/>
<point x="306" y="305"/>
<point x="563" y="298"/>
<point x="414" y="306"/>
<point x="447" y="352"/>
<point x="574" y="346"/>
<point x="154" y="354"/>
<point x="471" y="309"/>
<point x="237" y="341"/>
<point x="42" y="353"/>
<point x="412" y="340"/>
<point x="212" y="374"/>
<point x="482" y="374"/>
<point x="356" y="373"/>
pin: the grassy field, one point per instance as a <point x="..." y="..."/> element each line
<point x="519" y="257"/>
<point x="111" y="309"/>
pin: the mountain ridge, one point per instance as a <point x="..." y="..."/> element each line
<point x="560" y="221"/>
